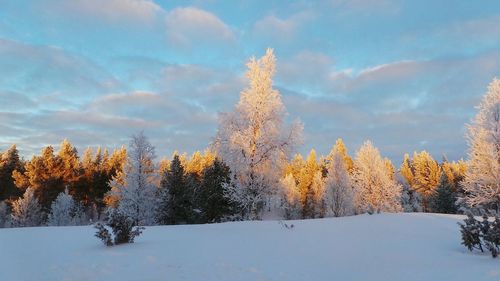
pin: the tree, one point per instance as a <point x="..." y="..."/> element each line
<point x="214" y="205"/>
<point x="291" y="197"/>
<point x="339" y="191"/>
<point x="339" y="147"/>
<point x="4" y="215"/>
<point x="375" y="190"/>
<point x="427" y="174"/>
<point x="482" y="178"/>
<point x="253" y="141"/>
<point x="136" y="193"/>
<point x="65" y="211"/>
<point x="444" y="198"/>
<point x="410" y="199"/>
<point x="9" y="162"/>
<point x="406" y="170"/>
<point x="175" y="206"/>
<point x="305" y="180"/>
<point x="26" y="211"/>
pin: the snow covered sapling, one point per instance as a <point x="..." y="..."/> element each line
<point x="471" y="233"/>
<point x="122" y="226"/>
<point x="65" y="211"/>
<point x="26" y="211"/>
<point x="475" y="234"/>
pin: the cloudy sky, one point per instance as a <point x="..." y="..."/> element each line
<point x="405" y="74"/>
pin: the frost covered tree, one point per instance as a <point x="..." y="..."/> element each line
<point x="65" y="211"/>
<point x="291" y="197"/>
<point x="482" y="178"/>
<point x="427" y="174"/>
<point x="136" y="192"/>
<point x="410" y="199"/>
<point x="253" y="141"/>
<point x="339" y="194"/>
<point x="26" y="211"/>
<point x="375" y="190"/>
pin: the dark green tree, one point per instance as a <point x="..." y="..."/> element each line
<point x="214" y="206"/>
<point x="176" y="206"/>
<point x="444" y="197"/>
<point x="10" y="162"/>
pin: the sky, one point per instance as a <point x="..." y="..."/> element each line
<point x="405" y="74"/>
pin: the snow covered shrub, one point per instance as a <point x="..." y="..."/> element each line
<point x="65" y="211"/>
<point x="26" y="211"/>
<point x="476" y="234"/>
<point x="122" y="226"/>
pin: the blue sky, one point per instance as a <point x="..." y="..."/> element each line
<point x="404" y="74"/>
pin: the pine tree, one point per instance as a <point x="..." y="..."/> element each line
<point x="136" y="191"/>
<point x="214" y="205"/>
<point x="65" y="211"/>
<point x="176" y="206"/>
<point x="375" y="190"/>
<point x="339" y="195"/>
<point x="123" y="228"/>
<point x="9" y="162"/>
<point x="253" y="141"/>
<point x="482" y="179"/>
<point x="444" y="198"/>
<point x="26" y="211"/>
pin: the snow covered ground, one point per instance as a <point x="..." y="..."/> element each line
<point x="378" y="247"/>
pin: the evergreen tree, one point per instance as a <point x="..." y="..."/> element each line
<point x="214" y="205"/>
<point x="253" y="141"/>
<point x="444" y="198"/>
<point x="175" y="206"/>
<point x="136" y="191"/>
<point x="471" y="233"/>
<point x="9" y="162"/>
<point x="4" y="215"/>
<point x="26" y="211"/>
<point x="482" y="178"/>
<point x="123" y="228"/>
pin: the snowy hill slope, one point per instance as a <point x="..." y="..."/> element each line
<point x="378" y="247"/>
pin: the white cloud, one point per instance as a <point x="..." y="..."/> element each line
<point x="273" y="27"/>
<point x="189" y="26"/>
<point x="138" y="11"/>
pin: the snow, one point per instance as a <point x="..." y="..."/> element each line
<point x="411" y="246"/>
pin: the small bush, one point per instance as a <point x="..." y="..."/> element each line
<point x="122" y="227"/>
<point x="476" y="234"/>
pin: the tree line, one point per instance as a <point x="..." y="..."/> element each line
<point x="249" y="171"/>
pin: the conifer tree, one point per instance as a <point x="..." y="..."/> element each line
<point x="10" y="162"/>
<point x="26" y="211"/>
<point x="4" y="215"/>
<point x="253" y="141"/>
<point x="482" y="179"/>
<point x="214" y="205"/>
<point x="175" y="206"/>
<point x="444" y="198"/>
